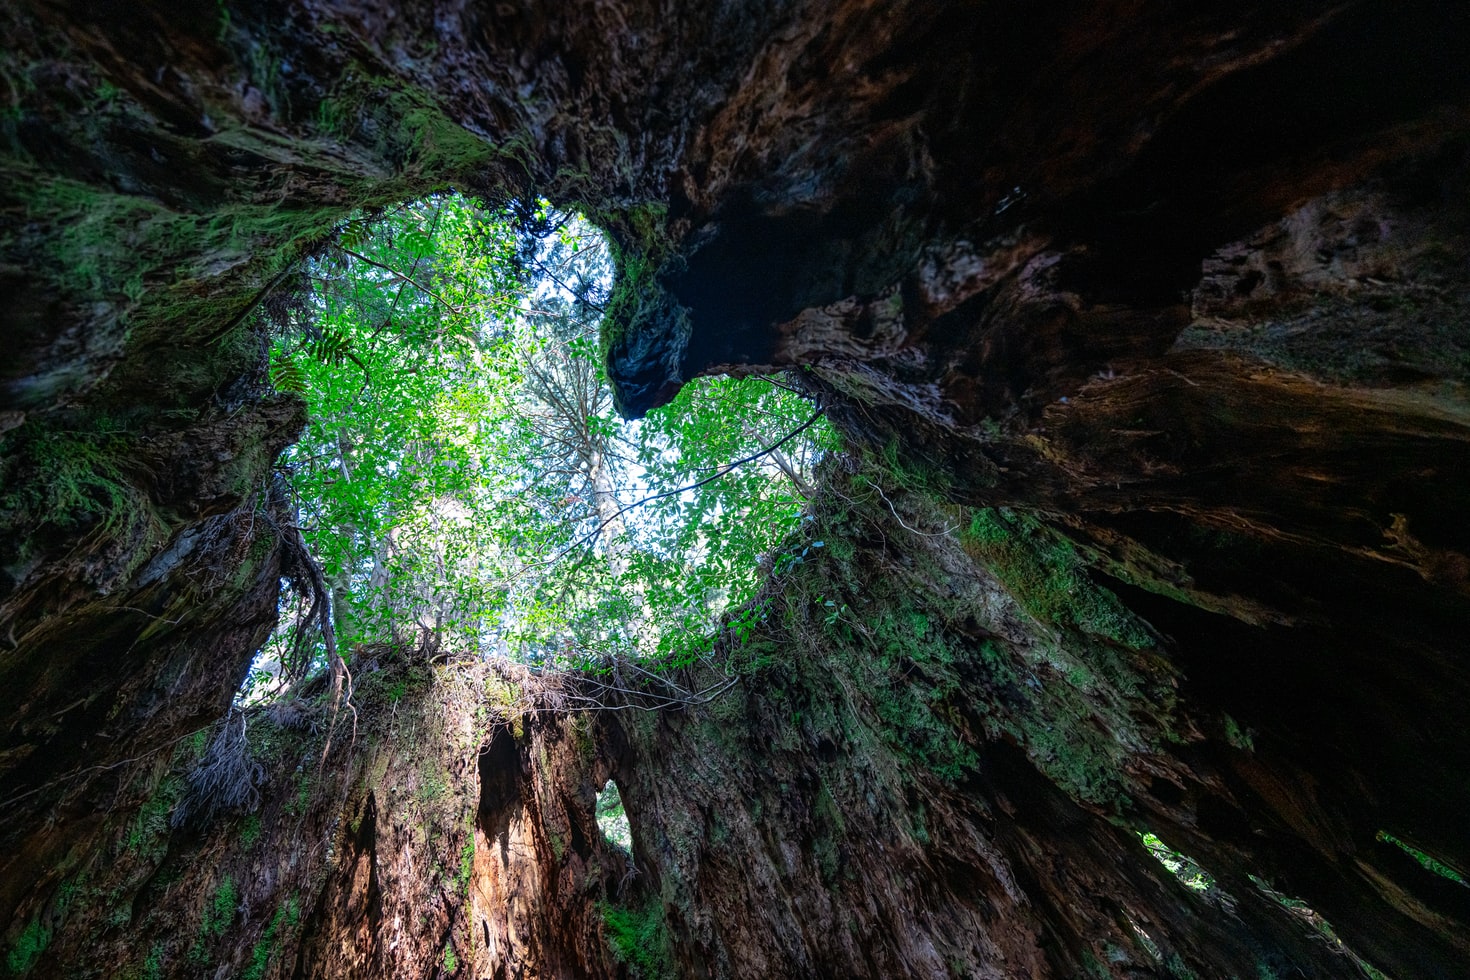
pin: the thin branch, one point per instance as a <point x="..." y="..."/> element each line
<point x="413" y="282"/>
<point x="77" y="774"/>
<point x="786" y="466"/>
<point x="928" y="534"/>
<point x="256" y="300"/>
<point x="770" y="380"/>
<point x="582" y="299"/>
<point x="684" y="489"/>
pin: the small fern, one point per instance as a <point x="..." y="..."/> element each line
<point x="331" y="347"/>
<point x="355" y="233"/>
<point x="286" y="374"/>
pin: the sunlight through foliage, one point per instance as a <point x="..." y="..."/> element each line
<point x="464" y="477"/>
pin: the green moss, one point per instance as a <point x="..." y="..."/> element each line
<point x="1074" y="761"/>
<point x="639" y="939"/>
<point x="286" y="919"/>
<point x="914" y="725"/>
<point x="432" y="785"/>
<point x="1094" y="966"/>
<point x="139" y="264"/>
<point x="638" y="305"/>
<point x="249" y="831"/>
<point x="115" y="246"/>
<point x="451" y="962"/>
<point x="1069" y="702"/>
<point x="919" y="821"/>
<point x="1238" y="737"/>
<point x="149" y="830"/>
<point x="260" y="959"/>
<point x="466" y="867"/>
<point x="404" y="127"/>
<point x="29" y="946"/>
<point x="899" y="471"/>
<point x="921" y="684"/>
<point x="829" y="827"/>
<point x="96" y="232"/>
<point x="219" y="914"/>
<point x="153" y="964"/>
<point x="300" y="801"/>
<point x="1178" y="968"/>
<point x="1426" y="862"/>
<point x="1043" y="571"/>
<point x="580" y="729"/>
<point x="914" y="708"/>
<point x="647" y="224"/>
<point x="642" y="250"/>
<point x="70" y="476"/>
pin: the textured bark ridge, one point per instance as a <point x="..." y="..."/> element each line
<point x="356" y="860"/>
<point x="1149" y="325"/>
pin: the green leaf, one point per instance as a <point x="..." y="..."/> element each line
<point x="462" y="486"/>
<point x="332" y="347"/>
<point x="285" y="375"/>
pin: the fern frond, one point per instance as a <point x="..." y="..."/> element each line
<point x="332" y="347"/>
<point x="355" y="233"/>
<point x="286" y="375"/>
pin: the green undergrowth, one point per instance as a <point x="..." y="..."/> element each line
<point x="937" y="674"/>
<point x="639" y="938"/>
<point x="1046" y="574"/>
<point x="1425" y="861"/>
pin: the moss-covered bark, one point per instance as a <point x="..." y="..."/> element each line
<point x="355" y="860"/>
<point x="912" y="774"/>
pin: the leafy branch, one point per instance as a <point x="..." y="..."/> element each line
<point x="444" y="502"/>
<point x="401" y="276"/>
<point x="725" y="471"/>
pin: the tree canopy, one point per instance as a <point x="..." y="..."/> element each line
<point x="464" y="477"/>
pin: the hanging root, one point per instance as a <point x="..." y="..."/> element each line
<point x="305" y="576"/>
<point x="226" y="779"/>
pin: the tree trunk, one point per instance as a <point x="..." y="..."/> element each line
<point x="1147" y="324"/>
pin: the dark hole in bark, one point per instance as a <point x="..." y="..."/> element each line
<point x="1165" y="791"/>
<point x="499" y="766"/>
